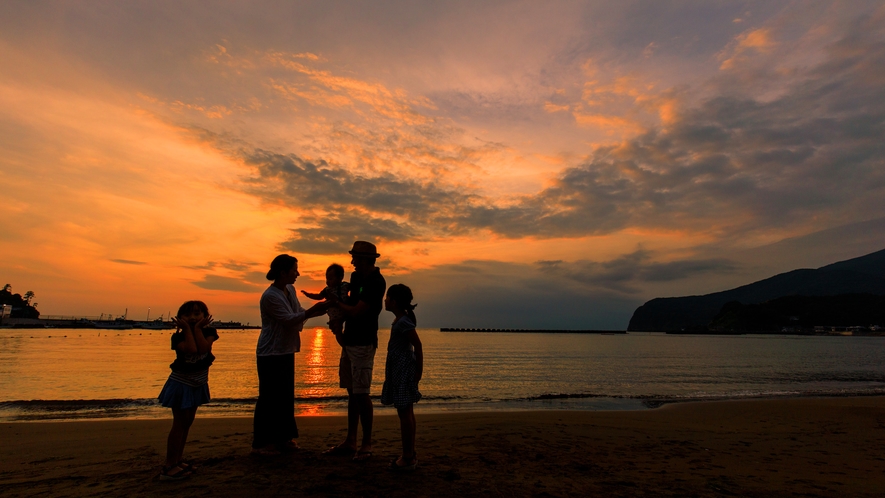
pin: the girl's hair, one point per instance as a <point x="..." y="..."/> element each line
<point x="336" y="270"/>
<point x="190" y="305"/>
<point x="403" y="297"/>
<point x="280" y="264"/>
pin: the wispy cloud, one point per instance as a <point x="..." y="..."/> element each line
<point x="629" y="272"/>
<point x="128" y="262"/>
<point x="219" y="282"/>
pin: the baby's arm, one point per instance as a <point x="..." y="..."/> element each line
<point x="316" y="297"/>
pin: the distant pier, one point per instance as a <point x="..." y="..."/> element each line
<point x="534" y="331"/>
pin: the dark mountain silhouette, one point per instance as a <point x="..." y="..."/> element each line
<point x="798" y="314"/>
<point x="863" y="275"/>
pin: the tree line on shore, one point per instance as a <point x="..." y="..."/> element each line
<point x="22" y="306"/>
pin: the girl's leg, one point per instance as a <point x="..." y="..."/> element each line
<point x="174" y="443"/>
<point x="407" y="427"/>
<point x="187" y="420"/>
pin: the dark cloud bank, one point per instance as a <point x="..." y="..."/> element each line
<point x="735" y="161"/>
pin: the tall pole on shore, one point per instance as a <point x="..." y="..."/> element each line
<point x="149" y="316"/>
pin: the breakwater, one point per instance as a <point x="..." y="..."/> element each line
<point x="95" y="323"/>
<point x="533" y="331"/>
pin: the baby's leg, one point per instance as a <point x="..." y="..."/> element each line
<point x="336" y="325"/>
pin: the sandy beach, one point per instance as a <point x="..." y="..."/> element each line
<point x="786" y="447"/>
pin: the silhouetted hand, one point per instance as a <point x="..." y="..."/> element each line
<point x="181" y="323"/>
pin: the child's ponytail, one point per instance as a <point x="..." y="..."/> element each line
<point x="410" y="312"/>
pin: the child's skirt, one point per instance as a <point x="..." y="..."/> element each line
<point x="181" y="396"/>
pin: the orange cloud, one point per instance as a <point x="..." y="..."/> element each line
<point x="744" y="46"/>
<point x="624" y="105"/>
<point x="612" y="124"/>
<point x="551" y="107"/>
<point x="393" y="104"/>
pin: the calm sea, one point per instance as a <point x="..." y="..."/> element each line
<point x="50" y="374"/>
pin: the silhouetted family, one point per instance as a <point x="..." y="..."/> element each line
<point x="353" y="309"/>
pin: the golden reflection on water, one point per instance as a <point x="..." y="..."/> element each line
<point x="318" y="374"/>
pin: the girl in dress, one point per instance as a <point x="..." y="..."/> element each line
<point x="405" y="364"/>
<point x="188" y="384"/>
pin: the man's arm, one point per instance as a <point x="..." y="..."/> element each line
<point x="358" y="309"/>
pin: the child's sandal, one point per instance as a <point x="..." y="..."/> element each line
<point x="407" y="467"/>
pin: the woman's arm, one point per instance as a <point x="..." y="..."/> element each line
<point x="317" y="309"/>
<point x="280" y="310"/>
<point x="419" y="353"/>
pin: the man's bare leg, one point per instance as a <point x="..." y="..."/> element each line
<point x="367" y="417"/>
<point x="353" y="419"/>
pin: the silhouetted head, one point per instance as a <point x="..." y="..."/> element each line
<point x="334" y="274"/>
<point x="281" y="265"/>
<point x="400" y="296"/>
<point x="193" y="311"/>
<point x="363" y="255"/>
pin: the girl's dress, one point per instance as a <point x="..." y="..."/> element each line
<point x="400" y="387"/>
<point x="188" y="384"/>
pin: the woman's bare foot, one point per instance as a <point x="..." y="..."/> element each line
<point x="290" y="446"/>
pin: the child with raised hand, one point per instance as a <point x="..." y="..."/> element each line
<point x="336" y="290"/>
<point x="188" y="384"/>
<point x="405" y="364"/>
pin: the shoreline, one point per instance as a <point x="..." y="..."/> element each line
<point x="807" y="446"/>
<point x="150" y="409"/>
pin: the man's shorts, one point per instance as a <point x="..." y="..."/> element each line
<point x="355" y="368"/>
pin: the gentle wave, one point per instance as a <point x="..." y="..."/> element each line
<point x="47" y="410"/>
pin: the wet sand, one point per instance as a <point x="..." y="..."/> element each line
<point x="787" y="447"/>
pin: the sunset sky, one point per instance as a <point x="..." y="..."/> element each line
<point x="518" y="164"/>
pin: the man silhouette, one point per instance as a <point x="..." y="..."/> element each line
<point x="359" y="342"/>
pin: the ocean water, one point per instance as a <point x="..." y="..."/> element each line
<point x="51" y="374"/>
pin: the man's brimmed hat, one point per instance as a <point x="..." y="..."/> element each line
<point x="363" y="248"/>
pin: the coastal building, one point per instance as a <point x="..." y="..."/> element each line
<point x="5" y="312"/>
